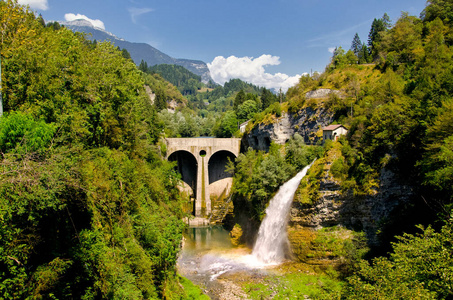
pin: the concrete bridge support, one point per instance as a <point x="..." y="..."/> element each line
<point x="208" y="157"/>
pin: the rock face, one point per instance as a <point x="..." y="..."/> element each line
<point x="306" y="122"/>
<point x="357" y="213"/>
<point x="321" y="93"/>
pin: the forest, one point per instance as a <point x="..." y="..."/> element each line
<point x="90" y="209"/>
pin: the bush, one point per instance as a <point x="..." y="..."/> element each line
<point x="20" y="132"/>
<point x="419" y="268"/>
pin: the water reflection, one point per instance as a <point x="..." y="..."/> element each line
<point x="202" y="239"/>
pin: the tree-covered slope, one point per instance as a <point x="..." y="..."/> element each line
<point x="88" y="209"/>
<point x="399" y="113"/>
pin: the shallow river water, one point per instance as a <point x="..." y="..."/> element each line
<point x="210" y="260"/>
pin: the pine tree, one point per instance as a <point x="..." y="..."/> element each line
<point x="364" y="55"/>
<point x="143" y="66"/>
<point x="374" y="37"/>
<point x="356" y="45"/>
<point x="239" y="99"/>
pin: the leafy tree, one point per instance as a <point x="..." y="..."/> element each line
<point x="297" y="153"/>
<point x="247" y="110"/>
<point x="351" y="58"/>
<point x="89" y="210"/>
<point x="239" y="99"/>
<point x="227" y="125"/>
<point x="419" y="268"/>
<point x="338" y="58"/>
<point x="442" y="9"/>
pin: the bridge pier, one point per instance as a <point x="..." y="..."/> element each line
<point x="204" y="151"/>
<point x="203" y="199"/>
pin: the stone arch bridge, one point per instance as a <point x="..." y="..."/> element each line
<point x="202" y="162"/>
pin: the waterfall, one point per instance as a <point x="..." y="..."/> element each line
<point x="272" y="237"/>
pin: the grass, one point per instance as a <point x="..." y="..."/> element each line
<point x="191" y="290"/>
<point x="296" y="285"/>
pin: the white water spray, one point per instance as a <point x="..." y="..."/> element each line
<point x="272" y="238"/>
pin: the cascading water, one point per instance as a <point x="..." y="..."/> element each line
<point x="272" y="238"/>
<point x="203" y="260"/>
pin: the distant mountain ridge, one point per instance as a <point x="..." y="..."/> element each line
<point x="139" y="51"/>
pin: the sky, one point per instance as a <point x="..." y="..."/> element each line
<point x="269" y="43"/>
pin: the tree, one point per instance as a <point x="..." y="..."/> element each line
<point x="239" y="99"/>
<point x="246" y="110"/>
<point x="160" y="102"/>
<point x="228" y="125"/>
<point x="338" y="58"/>
<point x="351" y="58"/>
<point x="377" y="27"/>
<point x="356" y="45"/>
<point x="364" y="55"/>
<point x="267" y="98"/>
<point x="419" y="268"/>
<point x="442" y="9"/>
<point x="126" y="53"/>
<point x="143" y="66"/>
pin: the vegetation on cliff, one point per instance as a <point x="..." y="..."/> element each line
<point x="398" y="110"/>
<point x="88" y="209"/>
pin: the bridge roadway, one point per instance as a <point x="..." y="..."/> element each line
<point x="202" y="162"/>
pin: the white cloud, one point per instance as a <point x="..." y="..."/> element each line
<point x="251" y="70"/>
<point x="96" y="23"/>
<point x="36" y="4"/>
<point x="136" y="12"/>
<point x="331" y="49"/>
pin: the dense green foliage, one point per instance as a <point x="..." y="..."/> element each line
<point x="399" y="111"/>
<point x="88" y="209"/>
<point x="258" y="175"/>
<point x="420" y="267"/>
<point x="187" y="82"/>
<point x="399" y="114"/>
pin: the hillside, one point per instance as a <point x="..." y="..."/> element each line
<point x="88" y="207"/>
<point x="390" y="173"/>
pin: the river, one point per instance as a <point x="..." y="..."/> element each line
<point x="210" y="260"/>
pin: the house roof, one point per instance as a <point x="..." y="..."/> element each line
<point x="333" y="127"/>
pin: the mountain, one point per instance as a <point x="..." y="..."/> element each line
<point x="139" y="51"/>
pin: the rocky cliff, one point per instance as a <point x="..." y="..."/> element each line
<point x="306" y="122"/>
<point x="368" y="213"/>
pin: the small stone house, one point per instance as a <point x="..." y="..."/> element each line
<point x="243" y="126"/>
<point x="333" y="132"/>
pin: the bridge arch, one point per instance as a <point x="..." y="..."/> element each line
<point x="186" y="164"/>
<point x="217" y="165"/>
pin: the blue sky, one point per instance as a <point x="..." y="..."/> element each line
<point x="266" y="42"/>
